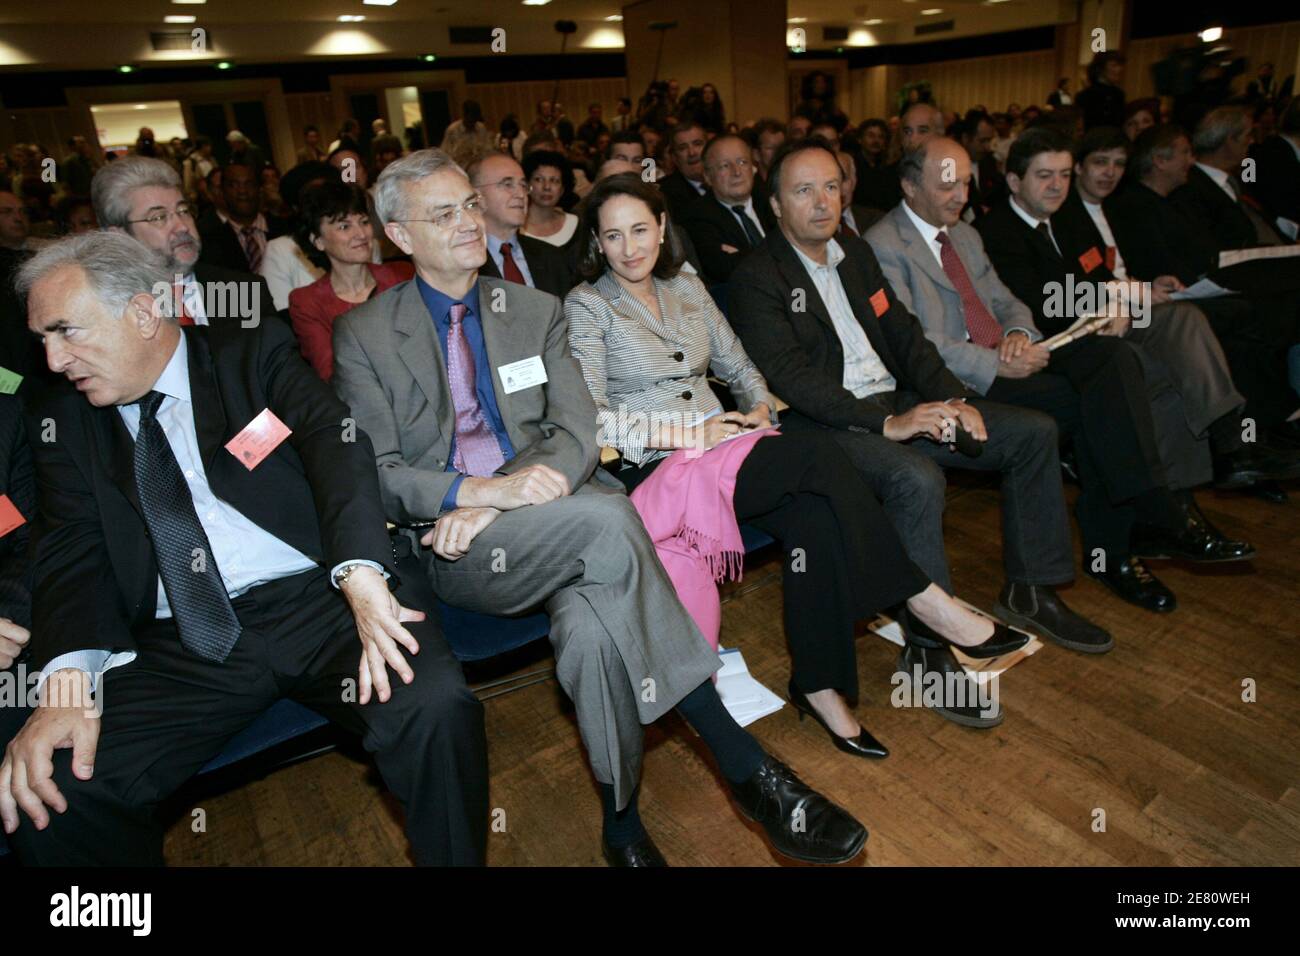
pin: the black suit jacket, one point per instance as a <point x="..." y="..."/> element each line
<point x="16" y="482"/>
<point x="1157" y="237"/>
<point x="221" y="247"/>
<point x="1201" y="198"/>
<point x="1025" y="260"/>
<point x="1277" y="178"/>
<point x="712" y="225"/>
<point x="208" y="275"/>
<point x="318" y="491"/>
<point x="799" y="352"/>
<point x="548" y="265"/>
<point x="679" y="194"/>
<point x="1081" y="242"/>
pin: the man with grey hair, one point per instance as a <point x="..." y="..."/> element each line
<point x="143" y="198"/>
<point x="210" y="539"/>
<point x="1213" y="191"/>
<point x="483" y="428"/>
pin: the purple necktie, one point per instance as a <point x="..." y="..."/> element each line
<point x="477" y="451"/>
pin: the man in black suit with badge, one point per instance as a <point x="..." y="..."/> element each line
<point x="209" y="539"/>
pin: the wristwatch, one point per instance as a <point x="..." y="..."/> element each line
<point x="341" y="576"/>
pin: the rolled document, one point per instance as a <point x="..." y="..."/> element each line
<point x="1077" y="331"/>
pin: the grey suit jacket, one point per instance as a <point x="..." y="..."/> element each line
<point x="923" y="287"/>
<point x="389" y="367"/>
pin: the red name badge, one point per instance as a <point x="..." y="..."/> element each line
<point x="259" y="438"/>
<point x="1090" y="259"/>
<point x="880" y="302"/>
<point x="10" y="516"/>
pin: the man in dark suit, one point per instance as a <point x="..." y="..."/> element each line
<point x="877" y="182"/>
<point x="1161" y="238"/>
<point x="142" y="197"/>
<point x="195" y="566"/>
<point x="1091" y="248"/>
<point x="235" y="238"/>
<point x="1135" y="439"/>
<point x="1276" y="185"/>
<point x="1213" y="193"/>
<point x="821" y="322"/>
<point x="515" y="258"/>
<point x="855" y="219"/>
<point x="686" y="184"/>
<point x="732" y="219"/>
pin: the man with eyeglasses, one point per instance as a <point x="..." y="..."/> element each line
<point x="511" y="256"/>
<point x="143" y="197"/>
<point x="483" y="426"/>
<point x="729" y="221"/>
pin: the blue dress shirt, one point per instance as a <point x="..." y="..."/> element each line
<point x="439" y="306"/>
<point x="517" y="254"/>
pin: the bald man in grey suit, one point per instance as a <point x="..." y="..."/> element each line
<point x="482" y="423"/>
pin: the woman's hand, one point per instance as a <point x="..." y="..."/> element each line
<point x="712" y="431"/>
<point x="760" y="416"/>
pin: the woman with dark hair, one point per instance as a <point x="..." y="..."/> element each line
<point x="1102" y="100"/>
<point x="647" y="336"/>
<point x="709" y="110"/>
<point x="550" y="178"/>
<point x="1139" y="116"/>
<point x="76" y="214"/>
<point x="334" y="230"/>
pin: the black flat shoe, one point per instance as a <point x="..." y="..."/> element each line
<point x="1131" y="580"/>
<point x="863" y="745"/>
<point x="1040" y="610"/>
<point x="1002" y="641"/>
<point x="641" y="853"/>
<point x="800" y="822"/>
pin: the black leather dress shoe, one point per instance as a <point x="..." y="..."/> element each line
<point x="863" y="745"/>
<point x="641" y="853"/>
<point x="961" y="696"/>
<point x="1198" y="541"/>
<point x="1040" y="610"/>
<point x="800" y="822"/>
<point x="1131" y="580"/>
<point x="1003" y="640"/>
<point x="1253" y="464"/>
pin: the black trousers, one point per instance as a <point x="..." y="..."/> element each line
<point x="843" y="559"/>
<point x="168" y="712"/>
<point x="1096" y="392"/>
<point x="1256" y="332"/>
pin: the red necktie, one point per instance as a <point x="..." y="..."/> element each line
<point x="478" y="452"/>
<point x="182" y="315"/>
<point x="983" y="328"/>
<point x="509" y="269"/>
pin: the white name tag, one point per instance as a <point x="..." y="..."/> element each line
<point x="522" y="374"/>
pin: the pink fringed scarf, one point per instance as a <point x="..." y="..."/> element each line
<point x="686" y="507"/>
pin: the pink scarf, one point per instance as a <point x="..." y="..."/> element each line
<point x="686" y="507"/>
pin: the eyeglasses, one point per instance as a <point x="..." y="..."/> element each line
<point x="183" y="211"/>
<point x="450" y="218"/>
<point x="726" y="166"/>
<point x="510" y="185"/>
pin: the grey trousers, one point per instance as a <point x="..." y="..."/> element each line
<point x="626" y="651"/>
<point x="1190" y="386"/>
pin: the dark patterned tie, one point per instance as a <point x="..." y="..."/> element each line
<point x="478" y="452"/>
<point x="252" y="248"/>
<point x="980" y="324"/>
<point x="197" y="595"/>
<point x="751" y="231"/>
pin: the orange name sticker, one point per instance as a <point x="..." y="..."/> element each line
<point x="259" y="438"/>
<point x="1110" y="258"/>
<point x="880" y="302"/>
<point x="10" y="516"/>
<point x="1090" y="259"/>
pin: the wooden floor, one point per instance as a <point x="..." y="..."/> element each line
<point x="1155" y="734"/>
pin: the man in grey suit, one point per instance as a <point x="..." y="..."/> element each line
<point x="1119" y="409"/>
<point x="481" y="420"/>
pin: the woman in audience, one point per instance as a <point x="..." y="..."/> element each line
<point x="647" y="336"/>
<point x="1139" y="116"/>
<point x="335" y="230"/>
<point x="549" y="178"/>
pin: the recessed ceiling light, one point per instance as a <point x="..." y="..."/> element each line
<point x="430" y="57"/>
<point x="187" y="2"/>
<point x="352" y="18"/>
<point x="378" y="3"/>
<point x="616" y="18"/>
<point x="536" y="3"/>
<point x="176" y="18"/>
<point x="223" y="65"/>
<point x="1211" y="34"/>
<point x="931" y="12"/>
<point x="874" y="21"/>
<point x="125" y="68"/>
<point x="796" y="20"/>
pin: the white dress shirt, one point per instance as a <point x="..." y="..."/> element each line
<point x="1099" y="220"/>
<point x="864" y="373"/>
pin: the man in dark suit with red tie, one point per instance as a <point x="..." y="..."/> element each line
<point x="511" y="256"/>
<point x="209" y="539"/>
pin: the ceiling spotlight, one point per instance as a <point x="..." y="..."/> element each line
<point x="616" y="18"/>
<point x="932" y="11"/>
<point x="352" y="18"/>
<point x="224" y="65"/>
<point x="179" y="19"/>
<point x="874" y="21"/>
<point x="125" y="68"/>
<point x="429" y="58"/>
<point x="1211" y="34"/>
